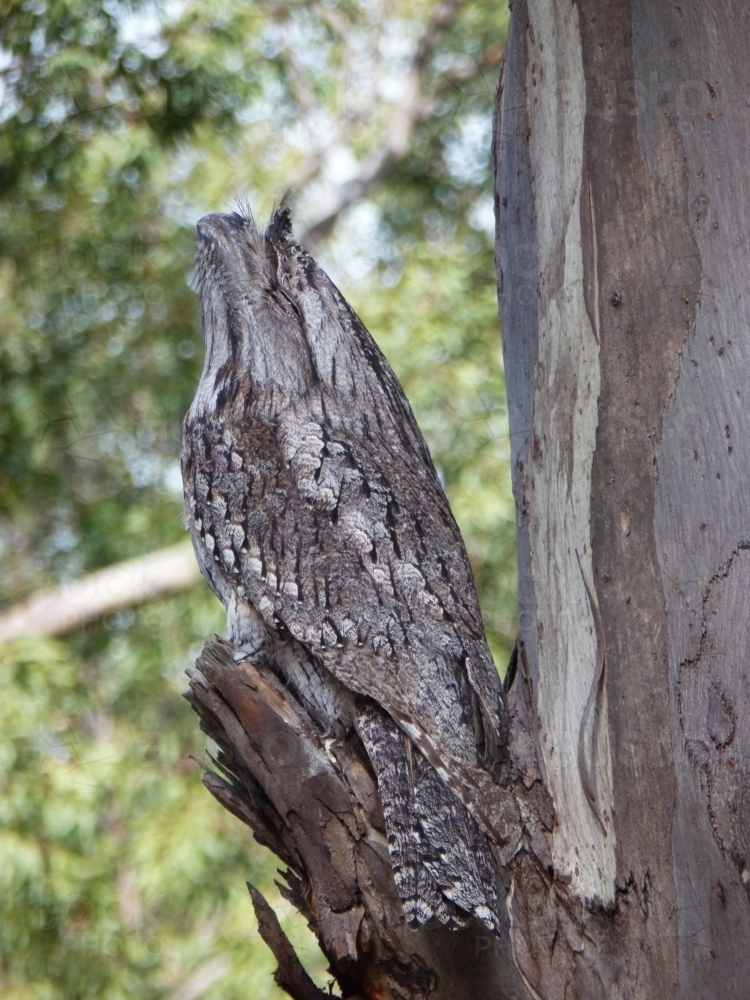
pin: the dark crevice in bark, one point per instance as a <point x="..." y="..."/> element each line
<point x="720" y="574"/>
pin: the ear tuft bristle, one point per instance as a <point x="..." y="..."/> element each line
<point x="280" y="224"/>
<point x="244" y="210"/>
<point x="254" y="233"/>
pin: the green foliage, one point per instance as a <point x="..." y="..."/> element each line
<point x="120" y="124"/>
<point x="120" y="875"/>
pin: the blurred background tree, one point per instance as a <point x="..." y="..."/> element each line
<point x="120" y="125"/>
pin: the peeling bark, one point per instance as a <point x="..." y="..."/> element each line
<point x="557" y="484"/>
<point x="314" y="803"/>
<point x="621" y="195"/>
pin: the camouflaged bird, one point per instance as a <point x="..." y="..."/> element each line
<point x="318" y="519"/>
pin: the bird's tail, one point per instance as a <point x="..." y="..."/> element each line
<point x="441" y="858"/>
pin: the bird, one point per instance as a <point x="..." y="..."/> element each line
<point x="319" y="520"/>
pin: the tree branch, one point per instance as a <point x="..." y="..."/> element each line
<point x="202" y="979"/>
<point x="397" y="143"/>
<point x="313" y="162"/>
<point x="291" y="975"/>
<point x="314" y="801"/>
<point x="81" y="602"/>
<point x="298" y="82"/>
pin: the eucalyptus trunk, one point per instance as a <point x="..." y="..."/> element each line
<point x="622" y="147"/>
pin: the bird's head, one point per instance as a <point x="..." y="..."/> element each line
<point x="252" y="324"/>
<point x="277" y="329"/>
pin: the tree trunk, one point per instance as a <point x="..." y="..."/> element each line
<point x="623" y="236"/>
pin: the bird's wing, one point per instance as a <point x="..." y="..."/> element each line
<point x="356" y="556"/>
<point x="360" y="460"/>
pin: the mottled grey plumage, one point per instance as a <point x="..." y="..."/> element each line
<point x="319" y="520"/>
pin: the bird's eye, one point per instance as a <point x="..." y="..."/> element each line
<point x="280" y="291"/>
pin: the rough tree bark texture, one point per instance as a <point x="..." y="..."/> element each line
<point x="314" y="803"/>
<point x="623" y="202"/>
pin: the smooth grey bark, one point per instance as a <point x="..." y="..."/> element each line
<point x="623" y="232"/>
